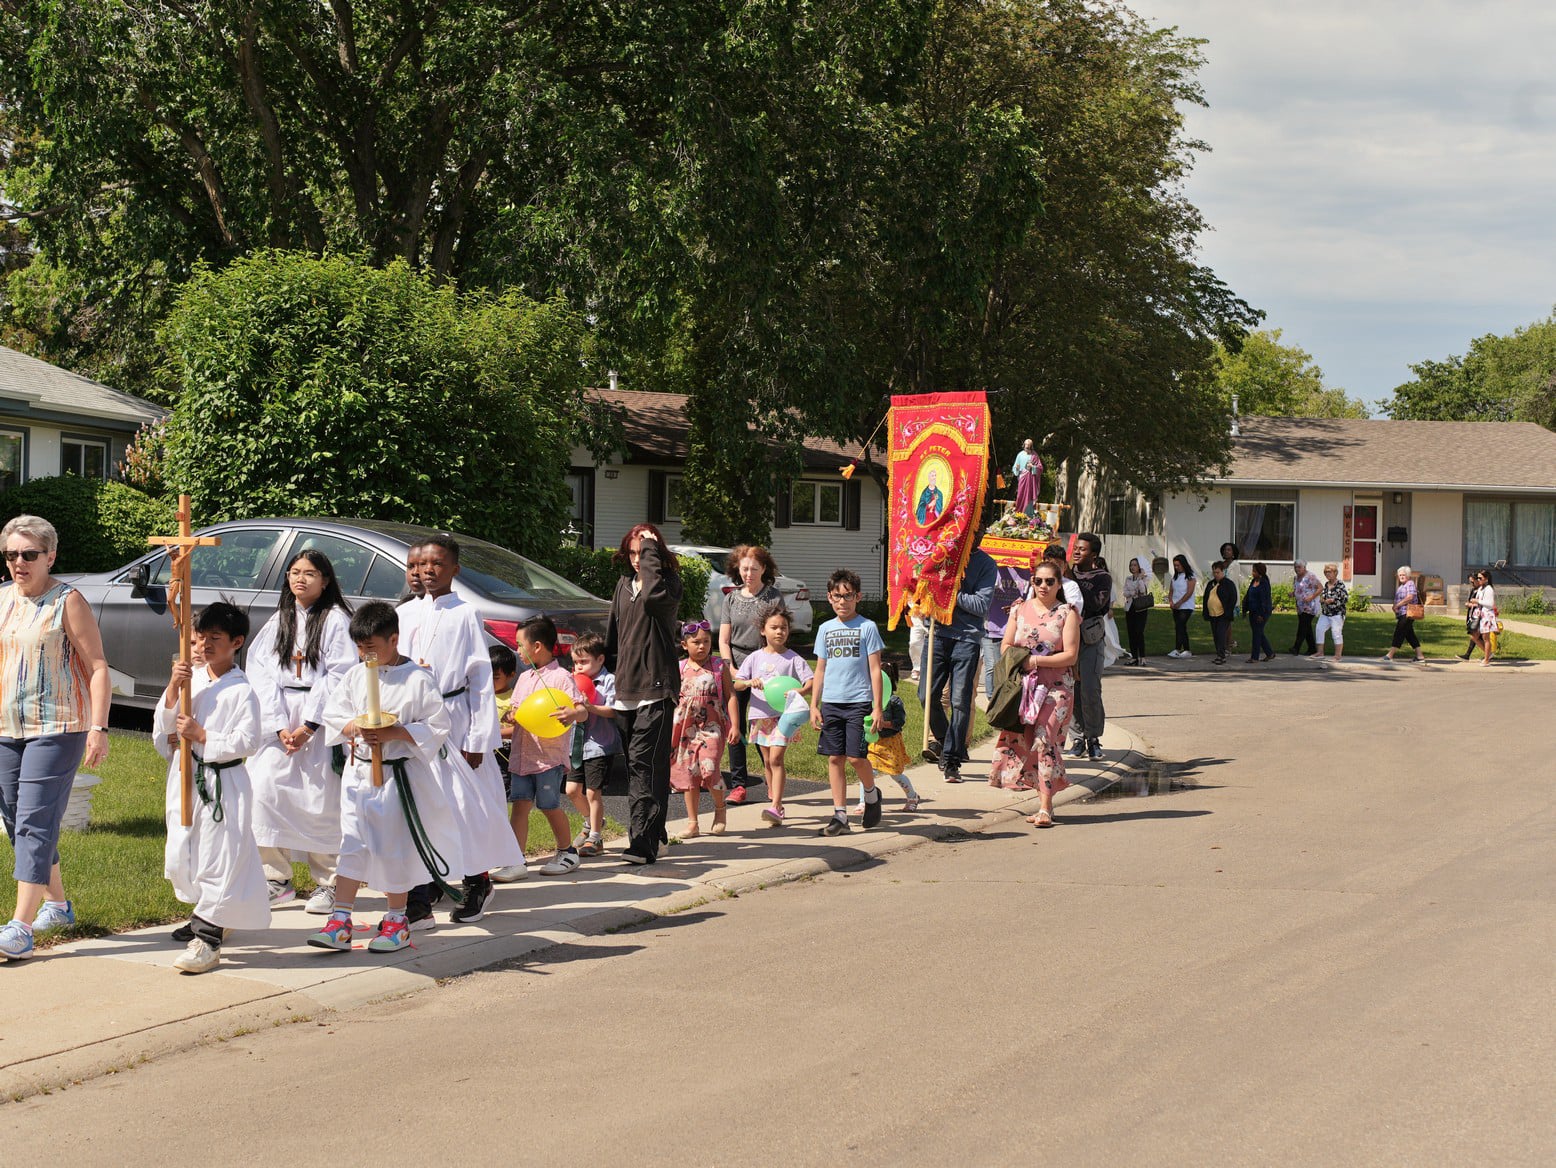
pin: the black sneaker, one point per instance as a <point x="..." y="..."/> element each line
<point x="184" y="933"/>
<point x="953" y="774"/>
<point x="872" y="809"/>
<point x="1079" y="749"/>
<point x="932" y="751"/>
<point x="637" y="858"/>
<point x="1093" y="749"/>
<point x="419" y="916"/>
<point x="478" y="889"/>
<point x="836" y="826"/>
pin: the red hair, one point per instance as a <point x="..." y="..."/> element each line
<point x="623" y="556"/>
<point x="760" y="554"/>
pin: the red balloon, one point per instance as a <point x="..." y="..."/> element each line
<point x="586" y="686"/>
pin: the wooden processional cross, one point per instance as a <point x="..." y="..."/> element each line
<point x="183" y="545"/>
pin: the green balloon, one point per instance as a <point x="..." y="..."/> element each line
<point x="775" y="689"/>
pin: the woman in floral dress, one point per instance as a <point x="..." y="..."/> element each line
<point x="1050" y="629"/>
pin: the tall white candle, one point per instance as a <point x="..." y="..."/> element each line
<point x="374" y="710"/>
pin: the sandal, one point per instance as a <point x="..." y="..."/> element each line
<point x="591" y="847"/>
<point x="718" y="825"/>
<point x="1041" y="819"/>
<point x="912" y="803"/>
<point x="692" y="830"/>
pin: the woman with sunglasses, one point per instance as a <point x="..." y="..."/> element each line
<point x="53" y="719"/>
<point x="1050" y="630"/>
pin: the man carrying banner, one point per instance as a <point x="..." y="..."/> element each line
<point x="957" y="654"/>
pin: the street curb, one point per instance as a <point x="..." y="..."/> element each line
<point x="366" y="986"/>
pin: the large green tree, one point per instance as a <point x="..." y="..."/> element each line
<point x="331" y="387"/>
<point x="1278" y="380"/>
<point x="1508" y="378"/>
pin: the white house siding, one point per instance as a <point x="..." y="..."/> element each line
<point x="42" y="444"/>
<point x="814" y="553"/>
<point x="1437" y="534"/>
<point x="1320" y="528"/>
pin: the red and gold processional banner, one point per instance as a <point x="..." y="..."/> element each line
<point x="938" y="454"/>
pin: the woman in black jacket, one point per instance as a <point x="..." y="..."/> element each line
<point x="640" y="649"/>
<point x="1220" y="602"/>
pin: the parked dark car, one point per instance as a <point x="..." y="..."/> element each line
<point x="369" y="559"/>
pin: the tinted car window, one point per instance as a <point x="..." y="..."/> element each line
<point x="385" y="579"/>
<point x="508" y="576"/>
<point x="238" y="563"/>
<point x="351" y="560"/>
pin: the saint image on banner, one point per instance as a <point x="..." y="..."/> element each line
<point x="931" y="499"/>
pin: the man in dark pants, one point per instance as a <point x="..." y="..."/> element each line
<point x="1096" y="586"/>
<point x="958" y="651"/>
<point x="640" y="649"/>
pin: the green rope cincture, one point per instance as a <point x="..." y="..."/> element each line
<point x="211" y="795"/>
<point x="437" y="866"/>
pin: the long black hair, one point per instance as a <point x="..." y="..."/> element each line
<point x="286" y="610"/>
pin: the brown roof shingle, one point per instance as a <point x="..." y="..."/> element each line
<point x="1478" y="456"/>
<point x="657" y="430"/>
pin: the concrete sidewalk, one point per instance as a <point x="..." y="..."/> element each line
<point x="92" y="1007"/>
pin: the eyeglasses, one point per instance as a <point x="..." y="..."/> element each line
<point x="28" y="554"/>
<point x="842" y="595"/>
<point x="692" y="628"/>
<point x="1045" y="582"/>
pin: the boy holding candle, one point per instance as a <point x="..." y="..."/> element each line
<point x="443" y="633"/>
<point x="391" y="834"/>
<point x="213" y="863"/>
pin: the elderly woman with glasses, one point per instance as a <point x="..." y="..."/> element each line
<point x="54" y="697"/>
<point x="1333" y="598"/>
<point x="1049" y="630"/>
<point x="1405" y="595"/>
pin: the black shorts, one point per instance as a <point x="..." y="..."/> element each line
<point x="594" y="774"/>
<point x="842" y="729"/>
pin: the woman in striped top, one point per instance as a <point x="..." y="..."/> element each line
<point x="54" y="696"/>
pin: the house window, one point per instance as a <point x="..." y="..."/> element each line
<point x="1264" y="530"/>
<point x="1126" y="515"/>
<point x="84" y="458"/>
<point x="12" y="448"/>
<point x="1521" y="532"/>
<point x="673" y="487"/>
<point x="816" y="504"/>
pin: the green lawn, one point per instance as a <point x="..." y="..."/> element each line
<point x="1535" y="618"/>
<point x="1367" y="634"/>
<point x="113" y="869"/>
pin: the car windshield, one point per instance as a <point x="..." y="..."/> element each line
<point x="495" y="571"/>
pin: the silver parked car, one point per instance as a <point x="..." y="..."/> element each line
<point x="369" y="560"/>
<point x="795" y="593"/>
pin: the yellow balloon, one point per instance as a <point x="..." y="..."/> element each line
<point x="534" y="713"/>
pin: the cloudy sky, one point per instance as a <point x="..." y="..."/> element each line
<point x="1382" y="181"/>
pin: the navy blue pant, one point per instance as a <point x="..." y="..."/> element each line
<point x="956" y="666"/>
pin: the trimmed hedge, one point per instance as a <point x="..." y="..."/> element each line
<point x="101" y="525"/>
<point x="592" y="569"/>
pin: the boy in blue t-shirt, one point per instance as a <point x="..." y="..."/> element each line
<point x="847" y="689"/>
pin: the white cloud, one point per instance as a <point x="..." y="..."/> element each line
<point x="1381" y="173"/>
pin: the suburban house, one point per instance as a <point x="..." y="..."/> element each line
<point x="53" y="421"/>
<point x="822" y="522"/>
<point x="1371" y="496"/>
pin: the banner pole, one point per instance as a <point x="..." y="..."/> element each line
<point x="926" y="687"/>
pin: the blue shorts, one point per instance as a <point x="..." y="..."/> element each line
<point x="543" y="789"/>
<point x="842" y="729"/>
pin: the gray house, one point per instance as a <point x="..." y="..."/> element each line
<point x="53" y="421"/>
<point x="1371" y="496"/>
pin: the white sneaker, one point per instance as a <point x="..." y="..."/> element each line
<point x="1185" y="653"/>
<point x="560" y="864"/>
<point x="511" y="874"/>
<point x="198" y="958"/>
<point x="322" y="902"/>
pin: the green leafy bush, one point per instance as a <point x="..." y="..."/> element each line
<point x="101" y="524"/>
<point x="1284" y="597"/>
<point x="323" y="386"/>
<point x="1360" y="601"/>
<point x="593" y="569"/>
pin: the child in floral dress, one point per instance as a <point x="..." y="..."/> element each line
<point x="1033" y="759"/>
<point x="707" y="717"/>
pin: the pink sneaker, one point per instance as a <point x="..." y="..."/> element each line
<point x="773" y="815"/>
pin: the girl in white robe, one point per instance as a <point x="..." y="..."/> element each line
<point x="213" y="864"/>
<point x="296" y="789"/>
